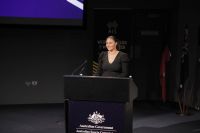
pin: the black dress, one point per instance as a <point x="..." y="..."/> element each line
<point x="118" y="68"/>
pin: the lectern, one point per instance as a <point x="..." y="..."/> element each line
<point x="96" y="104"/>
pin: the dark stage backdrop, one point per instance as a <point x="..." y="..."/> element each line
<point x="45" y="55"/>
<point x="115" y="22"/>
<point x="34" y="60"/>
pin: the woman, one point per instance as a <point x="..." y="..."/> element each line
<point x="113" y="63"/>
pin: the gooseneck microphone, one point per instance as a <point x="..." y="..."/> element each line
<point x="82" y="67"/>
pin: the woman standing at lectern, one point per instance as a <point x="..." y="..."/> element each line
<point x="113" y="63"/>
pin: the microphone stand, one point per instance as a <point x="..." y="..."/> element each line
<point x="81" y="66"/>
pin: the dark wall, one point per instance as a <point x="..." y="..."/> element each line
<point x="34" y="59"/>
<point x="189" y="12"/>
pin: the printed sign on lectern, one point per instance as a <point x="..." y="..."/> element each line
<point x="95" y="117"/>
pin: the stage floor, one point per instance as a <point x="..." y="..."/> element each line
<point x="149" y="117"/>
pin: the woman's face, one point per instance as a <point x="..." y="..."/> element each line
<point x="110" y="44"/>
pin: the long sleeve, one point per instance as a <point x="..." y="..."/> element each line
<point x="125" y="65"/>
<point x="99" y="69"/>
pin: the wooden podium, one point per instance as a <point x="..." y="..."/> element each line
<point x="96" y="104"/>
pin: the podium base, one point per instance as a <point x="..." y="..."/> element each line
<point x="104" y="117"/>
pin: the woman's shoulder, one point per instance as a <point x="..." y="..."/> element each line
<point x="123" y="53"/>
<point x="124" y="56"/>
<point x="102" y="54"/>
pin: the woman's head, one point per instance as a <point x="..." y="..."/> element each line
<point x="111" y="43"/>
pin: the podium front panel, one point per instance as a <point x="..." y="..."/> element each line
<point x="95" y="117"/>
<point x="92" y="88"/>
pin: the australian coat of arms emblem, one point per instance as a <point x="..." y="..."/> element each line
<point x="96" y="118"/>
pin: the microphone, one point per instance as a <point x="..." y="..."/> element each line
<point x="82" y="67"/>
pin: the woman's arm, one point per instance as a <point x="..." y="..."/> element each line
<point x="99" y="68"/>
<point x="124" y="65"/>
